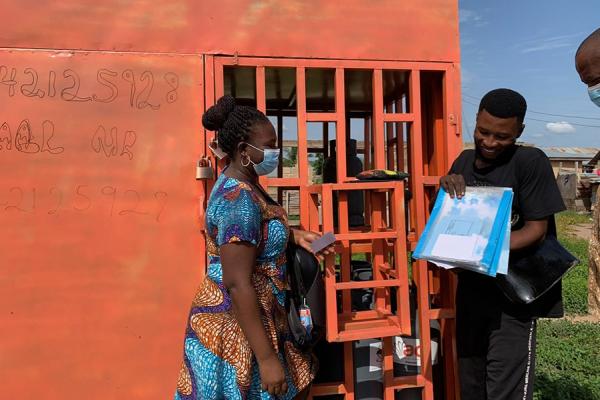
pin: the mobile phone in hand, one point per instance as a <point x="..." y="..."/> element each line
<point x="323" y="242"/>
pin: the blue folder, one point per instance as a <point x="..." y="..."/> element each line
<point x="471" y="233"/>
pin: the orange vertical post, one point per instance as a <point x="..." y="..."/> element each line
<point x="302" y="145"/>
<point x="420" y="267"/>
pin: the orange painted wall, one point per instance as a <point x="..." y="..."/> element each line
<point x="99" y="132"/>
<point x="412" y="30"/>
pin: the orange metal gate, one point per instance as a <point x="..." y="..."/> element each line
<point x="409" y="117"/>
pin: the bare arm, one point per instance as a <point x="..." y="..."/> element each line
<point x="238" y="261"/>
<point x="531" y="233"/>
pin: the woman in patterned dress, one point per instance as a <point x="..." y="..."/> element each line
<point x="237" y="342"/>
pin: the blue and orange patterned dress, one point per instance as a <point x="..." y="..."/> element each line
<point x="218" y="362"/>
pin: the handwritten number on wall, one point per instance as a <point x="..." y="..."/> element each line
<point x="161" y="199"/>
<point x="107" y="89"/>
<point x="173" y="82"/>
<point x="111" y="192"/>
<point x="135" y="197"/>
<point x="7" y="79"/>
<point x="51" y="84"/>
<point x="54" y="191"/>
<point x="30" y="89"/>
<point x="17" y="203"/>
<point x="142" y="98"/>
<point x="103" y="79"/>
<point x="128" y="76"/>
<point x="71" y="93"/>
<point x="82" y="198"/>
<point x="85" y="199"/>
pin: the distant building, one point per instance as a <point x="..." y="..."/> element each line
<point x="567" y="159"/>
<point x="573" y="159"/>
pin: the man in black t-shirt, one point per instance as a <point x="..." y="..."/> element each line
<point x="496" y="338"/>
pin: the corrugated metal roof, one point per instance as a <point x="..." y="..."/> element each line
<point x="576" y="153"/>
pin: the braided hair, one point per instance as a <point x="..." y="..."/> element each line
<point x="232" y="123"/>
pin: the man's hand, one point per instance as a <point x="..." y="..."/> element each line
<point x="454" y="185"/>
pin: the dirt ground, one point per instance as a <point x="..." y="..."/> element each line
<point x="583" y="231"/>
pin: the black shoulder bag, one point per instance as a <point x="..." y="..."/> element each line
<point x="530" y="276"/>
<point x="306" y="290"/>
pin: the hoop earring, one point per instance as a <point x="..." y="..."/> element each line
<point x="248" y="163"/>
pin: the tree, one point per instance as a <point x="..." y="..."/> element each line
<point x="291" y="157"/>
<point x="317" y="166"/>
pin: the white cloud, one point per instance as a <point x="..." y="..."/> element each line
<point x="560" y="127"/>
<point x="548" y="43"/>
<point x="470" y="16"/>
<point x="537" y="135"/>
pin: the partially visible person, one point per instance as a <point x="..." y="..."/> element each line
<point x="587" y="63"/>
<point x="237" y="343"/>
<point x="496" y="339"/>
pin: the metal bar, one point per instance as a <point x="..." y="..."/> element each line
<point x="261" y="105"/>
<point x="324" y="389"/>
<point x="286" y="183"/>
<point x="349" y="371"/>
<point x="347" y="64"/>
<point x="302" y="145"/>
<point x="361" y="334"/>
<point x="408" y="382"/>
<point x="345" y="262"/>
<point x="378" y="207"/>
<point x="387" y="349"/>
<point x="368" y="284"/>
<point x="280" y="166"/>
<point x="321" y="117"/>
<point x="431" y="180"/>
<point x="378" y="124"/>
<point x="408" y="117"/>
<point x="442" y="313"/>
<point x="366" y="235"/>
<point x="420" y="267"/>
<point x="340" y="129"/>
<point x="330" y="292"/>
<point x="219" y="78"/>
<point x="389" y="135"/>
<point x="400" y="255"/>
<point x="363" y="185"/>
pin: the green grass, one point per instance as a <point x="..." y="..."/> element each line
<point x="567" y="352"/>
<point x="575" y="281"/>
<point x="566" y="218"/>
<point x="567" y="364"/>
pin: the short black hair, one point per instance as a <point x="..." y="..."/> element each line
<point x="592" y="39"/>
<point x="233" y="123"/>
<point x="504" y="103"/>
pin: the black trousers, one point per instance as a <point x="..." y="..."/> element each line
<point x="496" y="351"/>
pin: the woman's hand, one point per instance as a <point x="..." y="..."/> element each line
<point x="272" y="376"/>
<point x="305" y="238"/>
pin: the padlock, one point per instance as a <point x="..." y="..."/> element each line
<point x="204" y="169"/>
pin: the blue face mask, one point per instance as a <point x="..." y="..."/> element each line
<point x="269" y="163"/>
<point x="594" y="92"/>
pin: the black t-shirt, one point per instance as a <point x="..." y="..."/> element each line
<point x="528" y="172"/>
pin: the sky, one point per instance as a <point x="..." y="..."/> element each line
<point x="529" y="46"/>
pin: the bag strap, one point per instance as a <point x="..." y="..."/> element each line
<point x="297" y="275"/>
